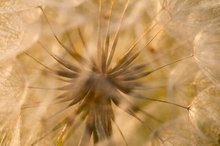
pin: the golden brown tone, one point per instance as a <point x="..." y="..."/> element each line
<point x="109" y="72"/>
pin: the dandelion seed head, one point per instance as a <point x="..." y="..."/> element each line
<point x="207" y="50"/>
<point x="190" y="16"/>
<point x="96" y="81"/>
<point x="18" y="32"/>
<point x="95" y="58"/>
<point x="168" y="135"/>
<point x="205" y="103"/>
<point x="12" y="96"/>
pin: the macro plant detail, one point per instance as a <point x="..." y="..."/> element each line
<point x="118" y="72"/>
